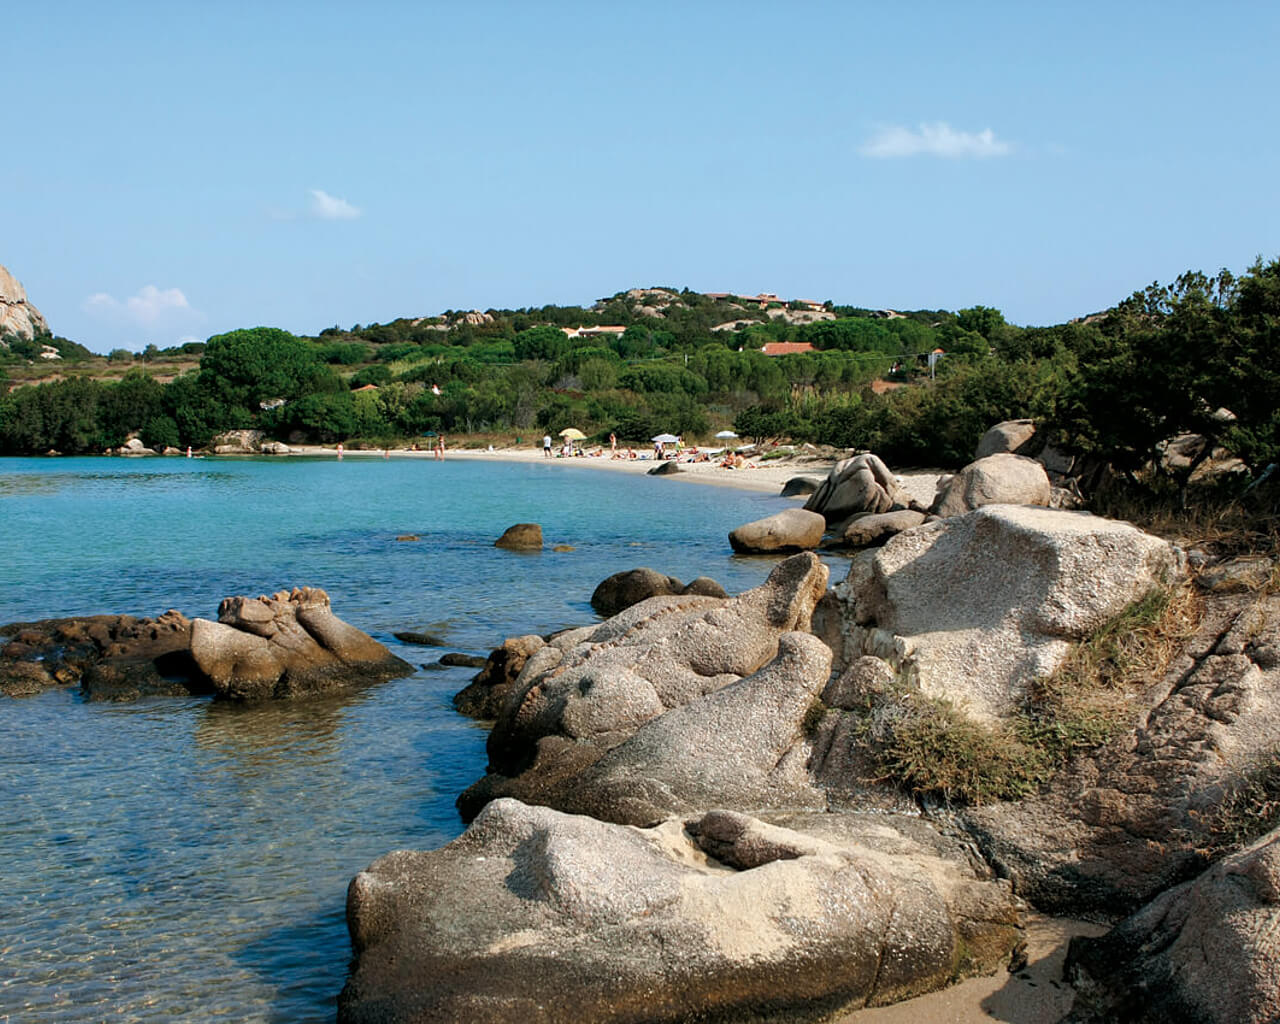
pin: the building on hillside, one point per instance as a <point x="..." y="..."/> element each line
<point x="786" y="348"/>
<point x="593" y="332"/>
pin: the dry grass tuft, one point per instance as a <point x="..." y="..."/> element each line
<point x="1251" y="809"/>
<point x="933" y="749"/>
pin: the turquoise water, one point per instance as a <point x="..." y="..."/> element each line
<point x="176" y="859"/>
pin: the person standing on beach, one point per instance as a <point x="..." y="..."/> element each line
<point x="546" y="446"/>
<point x="613" y="445"/>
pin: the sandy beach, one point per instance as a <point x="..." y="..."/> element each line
<point x="766" y="475"/>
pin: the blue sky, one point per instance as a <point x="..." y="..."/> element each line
<point x="177" y="170"/>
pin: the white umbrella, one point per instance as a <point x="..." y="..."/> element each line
<point x="726" y="433"/>
<point x="665" y="438"/>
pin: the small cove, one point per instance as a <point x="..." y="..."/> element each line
<point x="175" y="859"/>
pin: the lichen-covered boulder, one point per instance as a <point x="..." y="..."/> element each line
<point x="1134" y="816"/>
<point x="287" y="645"/>
<point x="534" y="915"/>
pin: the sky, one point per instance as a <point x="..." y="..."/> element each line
<point x="176" y="170"/>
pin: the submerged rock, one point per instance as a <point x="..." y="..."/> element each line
<point x="521" y="537"/>
<point x="111" y="657"/>
<point x="536" y="915"/>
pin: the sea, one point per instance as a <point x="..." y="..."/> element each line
<point x="179" y="859"/>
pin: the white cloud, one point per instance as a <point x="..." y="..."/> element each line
<point x="147" y="308"/>
<point x="935" y="138"/>
<point x="327" y="207"/>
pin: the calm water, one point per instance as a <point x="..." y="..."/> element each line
<point x="175" y="859"/>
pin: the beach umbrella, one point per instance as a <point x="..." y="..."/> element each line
<point x="430" y="433"/>
<point x="665" y="438"/>
<point x="726" y="434"/>
<point x="573" y="434"/>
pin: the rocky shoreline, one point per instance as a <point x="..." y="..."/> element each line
<point x="694" y="745"/>
<point x="805" y="801"/>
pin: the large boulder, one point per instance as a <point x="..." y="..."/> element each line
<point x="17" y="315"/>
<point x="972" y="608"/>
<point x="1134" y="816"/>
<point x="521" y="537"/>
<point x="287" y="645"/>
<point x="792" y="529"/>
<point x="588" y="690"/>
<point x="1009" y="436"/>
<point x="238" y="442"/>
<point x="623" y="589"/>
<point x="996" y="480"/>
<point x="801" y="486"/>
<point x="1205" y="951"/>
<point x="111" y="657"/>
<point x="876" y="528"/>
<point x="536" y="915"/>
<point x="859" y="484"/>
<point x="746" y="745"/>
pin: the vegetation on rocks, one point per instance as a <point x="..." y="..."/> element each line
<point x="936" y="751"/>
<point x="1250" y="810"/>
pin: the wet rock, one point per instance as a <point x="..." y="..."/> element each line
<point x="456" y="660"/>
<point x="798" y="486"/>
<point x="623" y="589"/>
<point x="111" y="657"/>
<point x="521" y="537"/>
<point x="287" y="645"/>
<point x="792" y="529"/>
<point x="419" y="639"/>
<point x="664" y="469"/>
<point x="485" y="694"/>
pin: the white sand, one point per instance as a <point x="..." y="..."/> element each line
<point x="764" y="475"/>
